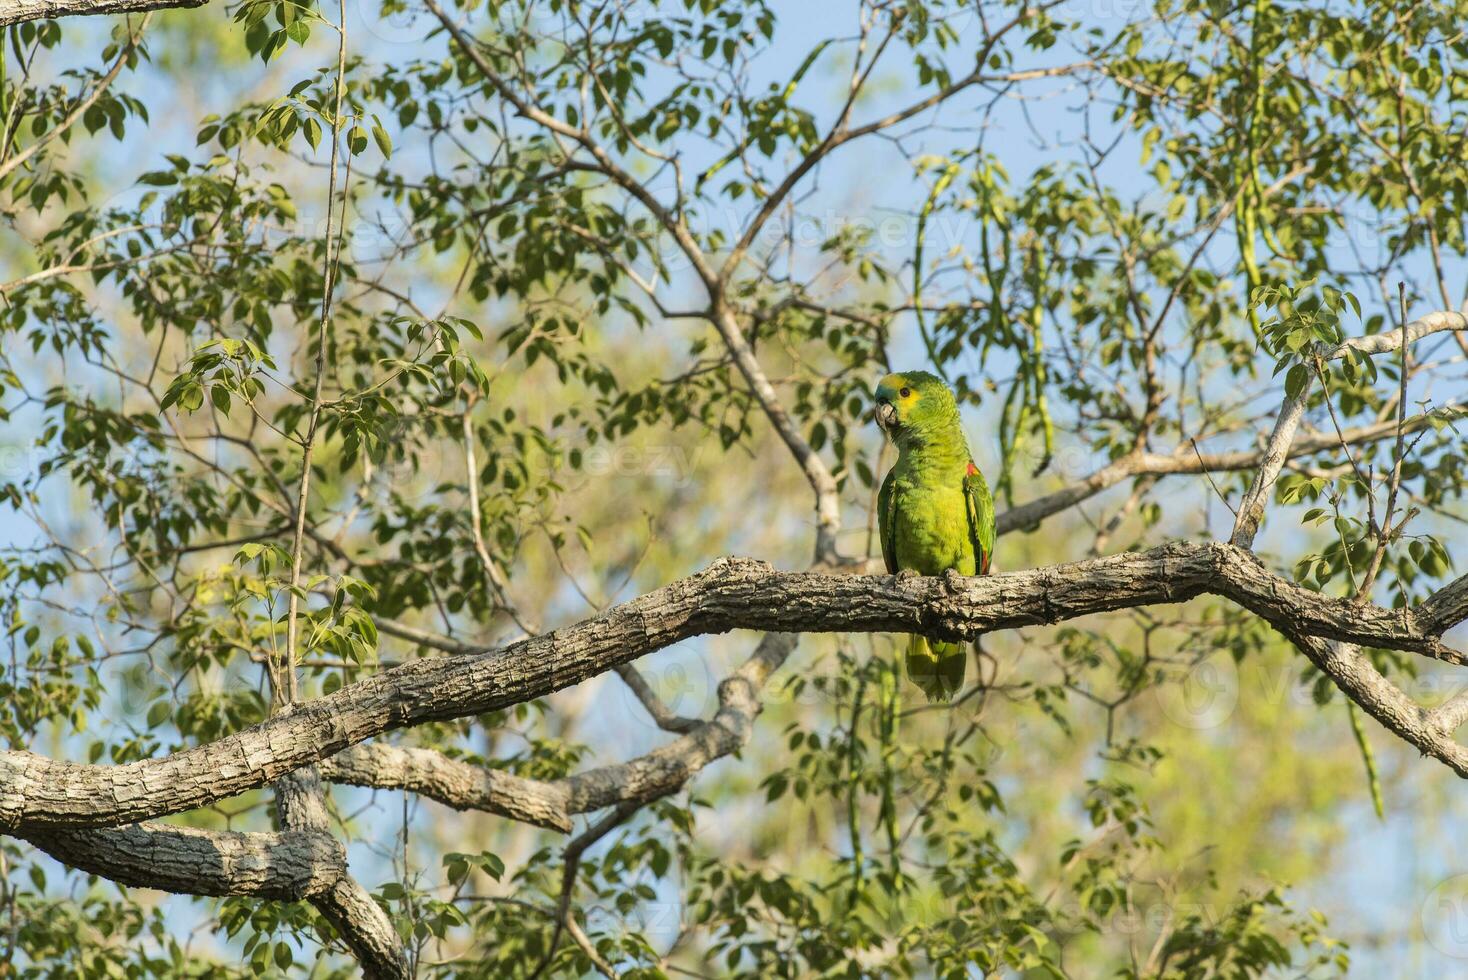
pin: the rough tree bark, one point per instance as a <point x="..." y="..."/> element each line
<point x="37" y="792"/>
<point x="19" y="11"/>
<point x="287" y="866"/>
<point x="301" y="807"/>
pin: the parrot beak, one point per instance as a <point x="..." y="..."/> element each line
<point x="886" y="416"/>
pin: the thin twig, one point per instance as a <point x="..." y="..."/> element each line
<point x="328" y="277"/>
<point x="572" y="855"/>
<point x="494" y="580"/>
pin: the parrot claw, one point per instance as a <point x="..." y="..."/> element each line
<point x="952" y="578"/>
<point x="903" y="574"/>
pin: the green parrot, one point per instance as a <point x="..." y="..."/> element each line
<point x="934" y="510"/>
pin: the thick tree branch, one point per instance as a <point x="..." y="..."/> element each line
<point x="1446" y="608"/>
<point x="366" y="929"/>
<point x="461" y="785"/>
<point x="1429" y="730"/>
<point x="19" y="11"/>
<point x="552" y="803"/>
<point x="287" y="866"/>
<point x="666" y="769"/>
<point x="731" y="594"/>
<point x="368" y="932"/>
<point x="1276" y="451"/>
<point x="1389" y="340"/>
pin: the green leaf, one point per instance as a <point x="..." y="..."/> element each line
<point x="1296" y="380"/>
<point x="384" y="142"/>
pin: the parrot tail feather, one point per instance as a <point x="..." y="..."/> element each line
<point x="936" y="667"/>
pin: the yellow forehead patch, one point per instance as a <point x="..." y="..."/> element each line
<point x="898" y="385"/>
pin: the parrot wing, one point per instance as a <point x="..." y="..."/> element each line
<point x="887" y="522"/>
<point x="980" y="518"/>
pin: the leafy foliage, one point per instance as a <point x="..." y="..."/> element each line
<point x="373" y="339"/>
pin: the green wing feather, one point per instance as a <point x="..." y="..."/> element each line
<point x="887" y="522"/>
<point x="980" y="518"/>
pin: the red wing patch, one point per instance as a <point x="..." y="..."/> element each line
<point x="972" y="469"/>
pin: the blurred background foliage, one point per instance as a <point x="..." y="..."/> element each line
<point x="1112" y="227"/>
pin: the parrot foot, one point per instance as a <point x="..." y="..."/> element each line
<point x="903" y="574"/>
<point x="952" y="578"/>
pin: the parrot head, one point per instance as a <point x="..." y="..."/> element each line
<point x="913" y="402"/>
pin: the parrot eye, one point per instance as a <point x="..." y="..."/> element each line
<point x="905" y="392"/>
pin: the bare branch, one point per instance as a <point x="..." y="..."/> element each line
<point x="1278" y="449"/>
<point x="331" y="263"/>
<point x="551" y="804"/>
<point x="1186" y="460"/>
<point x="731" y="594"/>
<point x="287" y="866"/>
<point x="425" y="639"/>
<point x="495" y="586"/>
<point x="453" y="783"/>
<point x="565" y="915"/>
<point x="828" y="501"/>
<point x="666" y="769"/>
<point x="660" y="713"/>
<point x="1272" y="460"/>
<point x="364" y="926"/>
<point x="20" y="11"/>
